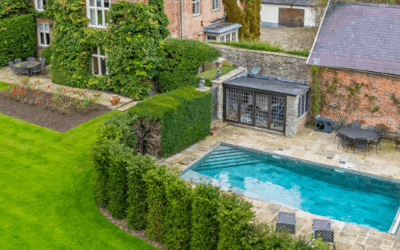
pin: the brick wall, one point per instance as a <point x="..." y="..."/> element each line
<point x="380" y="86"/>
<point x="301" y="123"/>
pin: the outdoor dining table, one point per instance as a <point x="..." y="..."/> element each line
<point x="354" y="133"/>
<point x="29" y="64"/>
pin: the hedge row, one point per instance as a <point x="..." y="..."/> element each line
<point x="155" y="199"/>
<point x="184" y="115"/>
<point x="17" y="38"/>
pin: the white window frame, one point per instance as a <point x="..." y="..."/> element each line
<point x="215" y="4"/>
<point x="39" y="31"/>
<point x="41" y="3"/>
<point x="211" y="40"/>
<point x="94" y="8"/>
<point x="194" y="3"/>
<point x="98" y="57"/>
<point x="304" y="104"/>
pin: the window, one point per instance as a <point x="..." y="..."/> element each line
<point x="196" y="7"/>
<point x="234" y="36"/>
<point x="97" y="12"/>
<point x="44" y="34"/>
<point x="228" y="38"/>
<point x="222" y="39"/>
<point x="99" y="61"/>
<point x="211" y="38"/>
<point x="215" y="4"/>
<point x="303" y="104"/>
<point x="39" y="4"/>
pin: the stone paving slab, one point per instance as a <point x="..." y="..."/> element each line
<point x="347" y="236"/>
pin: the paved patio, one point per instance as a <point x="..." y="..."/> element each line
<point x="45" y="80"/>
<point x="307" y="145"/>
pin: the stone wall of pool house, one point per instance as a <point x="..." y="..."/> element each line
<point x="381" y="86"/>
<point x="271" y="63"/>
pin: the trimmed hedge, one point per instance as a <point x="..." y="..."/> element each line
<point x="125" y="123"/>
<point x="184" y="115"/>
<point x="181" y="59"/>
<point x="17" y="38"/>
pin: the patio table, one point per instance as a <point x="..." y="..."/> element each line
<point x="354" y="133"/>
<point x="28" y="65"/>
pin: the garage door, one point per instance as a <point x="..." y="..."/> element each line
<point x="291" y="17"/>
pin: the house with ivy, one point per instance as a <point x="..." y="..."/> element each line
<point x="355" y="61"/>
<point x="188" y="19"/>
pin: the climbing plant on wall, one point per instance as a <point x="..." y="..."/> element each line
<point x="249" y="18"/>
<point x="15" y="7"/>
<point x="131" y="42"/>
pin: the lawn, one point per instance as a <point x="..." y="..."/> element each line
<point x="46" y="194"/>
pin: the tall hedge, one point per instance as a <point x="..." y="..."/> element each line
<point x="181" y="59"/>
<point x="178" y="215"/>
<point x="17" y="38"/>
<point x="184" y="115"/>
<point x="137" y="193"/>
<point x="205" y="226"/>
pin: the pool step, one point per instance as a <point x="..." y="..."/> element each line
<point x="226" y="165"/>
<point x="225" y="159"/>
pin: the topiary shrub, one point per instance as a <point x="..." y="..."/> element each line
<point x="184" y="116"/>
<point x="17" y="38"/>
<point x="47" y="53"/>
<point x="178" y="215"/>
<point x="137" y="195"/>
<point x="181" y="59"/>
<point x="205" y="227"/>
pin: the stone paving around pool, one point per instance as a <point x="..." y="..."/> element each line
<point x="307" y="145"/>
<point x="45" y="81"/>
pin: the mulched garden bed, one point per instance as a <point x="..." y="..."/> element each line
<point x="41" y="116"/>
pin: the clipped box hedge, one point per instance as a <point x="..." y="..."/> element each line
<point x="184" y="115"/>
<point x="17" y="38"/>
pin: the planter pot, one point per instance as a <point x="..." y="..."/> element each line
<point x="114" y="100"/>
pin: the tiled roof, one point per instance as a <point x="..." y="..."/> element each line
<point x="359" y="36"/>
<point x="290" y="2"/>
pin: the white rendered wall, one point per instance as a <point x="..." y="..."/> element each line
<point x="270" y="13"/>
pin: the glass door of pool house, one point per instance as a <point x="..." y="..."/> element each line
<point x="268" y="110"/>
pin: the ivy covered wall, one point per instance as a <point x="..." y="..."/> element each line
<point x="132" y="49"/>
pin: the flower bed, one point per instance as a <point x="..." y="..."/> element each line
<point x="57" y="111"/>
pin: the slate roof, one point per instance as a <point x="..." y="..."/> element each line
<point x="273" y="85"/>
<point x="290" y="2"/>
<point x="359" y="36"/>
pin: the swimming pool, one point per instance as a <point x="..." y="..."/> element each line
<point x="341" y="194"/>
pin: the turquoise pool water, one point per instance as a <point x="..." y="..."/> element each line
<point x="344" y="195"/>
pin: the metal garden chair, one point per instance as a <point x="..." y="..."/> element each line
<point x="376" y="143"/>
<point x="355" y="125"/>
<point x="12" y="67"/>
<point x="24" y="71"/>
<point x="31" y="59"/>
<point x="43" y="65"/>
<point x="322" y="229"/>
<point x="361" y="143"/>
<point x="17" y="60"/>
<point x="286" y="221"/>
<point x="37" y="69"/>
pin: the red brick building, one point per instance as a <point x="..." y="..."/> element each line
<point x="358" y="43"/>
<point x="187" y="18"/>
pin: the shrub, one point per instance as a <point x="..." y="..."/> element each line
<point x="177" y="222"/>
<point x="17" y="38"/>
<point x="137" y="195"/>
<point x="184" y="115"/>
<point x="125" y="123"/>
<point x="121" y="157"/>
<point x="46" y="54"/>
<point x="181" y="59"/>
<point x="233" y="216"/>
<point x="156" y="181"/>
<point x="209" y="75"/>
<point x="205" y="227"/>
<point x="102" y="160"/>
<point x="15" y="7"/>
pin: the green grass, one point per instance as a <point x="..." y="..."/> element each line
<point x="209" y="75"/>
<point x="46" y="194"/>
<point x="265" y="46"/>
<point x="3" y="85"/>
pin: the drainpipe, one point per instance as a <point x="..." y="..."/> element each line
<point x="181" y="20"/>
